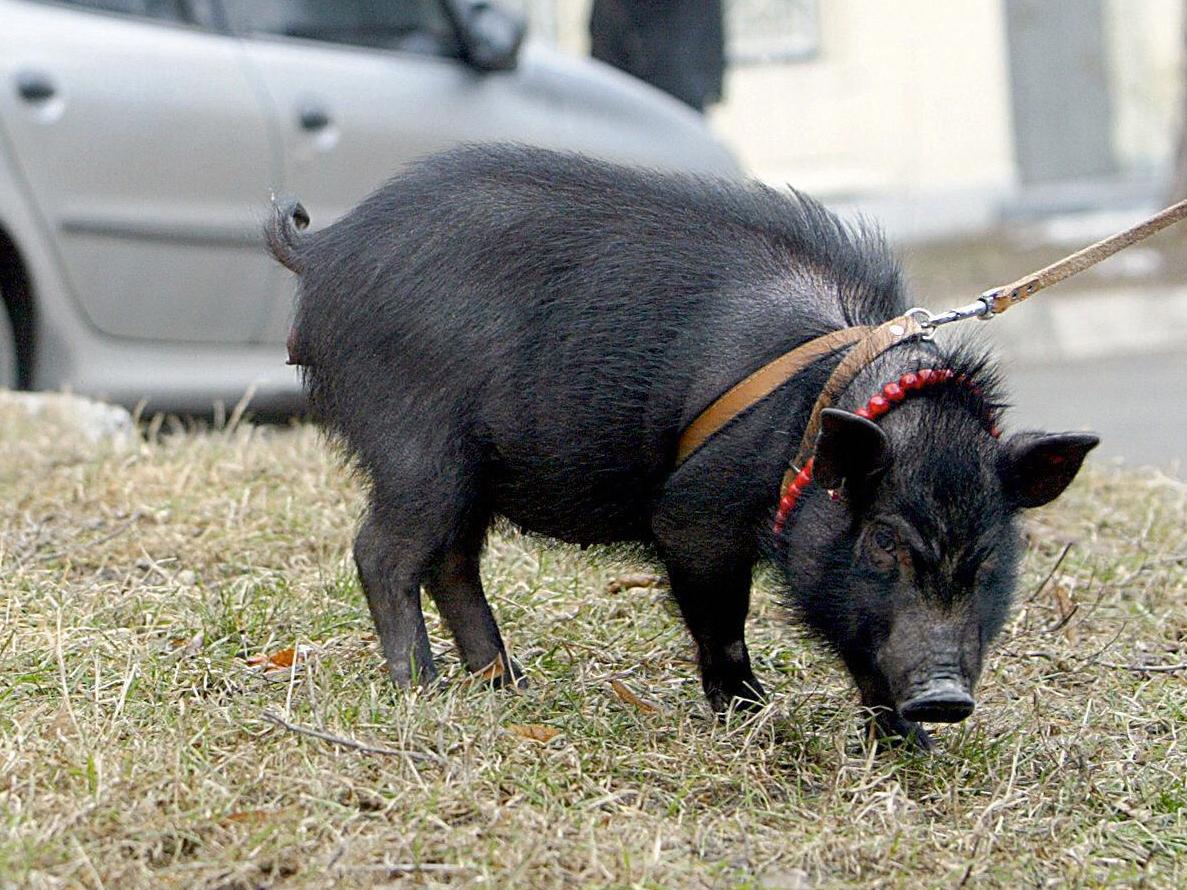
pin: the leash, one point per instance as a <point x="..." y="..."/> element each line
<point x="997" y="300"/>
<point x="867" y="342"/>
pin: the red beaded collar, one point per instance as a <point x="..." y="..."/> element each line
<point x="889" y="396"/>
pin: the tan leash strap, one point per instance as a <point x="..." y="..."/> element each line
<point x="875" y="343"/>
<point x="761" y="384"/>
<point x="999" y="299"/>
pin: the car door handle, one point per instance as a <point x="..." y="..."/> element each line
<point x="313" y="118"/>
<point x="35" y="87"/>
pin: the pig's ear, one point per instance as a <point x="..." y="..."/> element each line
<point x="850" y="449"/>
<point x="1037" y="467"/>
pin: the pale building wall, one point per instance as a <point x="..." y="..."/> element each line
<point x="910" y="100"/>
<point x="1145" y="46"/>
<point x="905" y="97"/>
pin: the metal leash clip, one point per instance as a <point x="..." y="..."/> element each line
<point x="981" y="308"/>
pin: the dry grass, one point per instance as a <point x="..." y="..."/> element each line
<point x="134" y="750"/>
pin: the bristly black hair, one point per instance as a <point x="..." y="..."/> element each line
<point x="639" y="226"/>
<point x="869" y="276"/>
<point x="854" y="255"/>
<point x="975" y="362"/>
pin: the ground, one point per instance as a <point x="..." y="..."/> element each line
<point x="140" y="586"/>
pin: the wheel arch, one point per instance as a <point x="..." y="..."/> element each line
<point x="16" y="291"/>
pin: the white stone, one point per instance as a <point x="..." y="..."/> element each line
<point x="96" y="422"/>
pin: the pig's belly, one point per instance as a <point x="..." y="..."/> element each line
<point x="591" y="508"/>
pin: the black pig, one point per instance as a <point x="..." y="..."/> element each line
<point x="505" y="331"/>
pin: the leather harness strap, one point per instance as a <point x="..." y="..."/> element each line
<point x="871" y="346"/>
<point x="761" y="384"/>
<point x="868" y="343"/>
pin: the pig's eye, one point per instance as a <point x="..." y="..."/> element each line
<point x="883" y="547"/>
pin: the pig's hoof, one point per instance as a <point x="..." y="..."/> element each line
<point x="746" y="696"/>
<point x="894" y="731"/>
<point x="404" y="676"/>
<point x="502" y="674"/>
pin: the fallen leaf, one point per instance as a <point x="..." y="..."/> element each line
<point x="534" y="732"/>
<point x="248" y="816"/>
<point x="1067" y="607"/>
<point x="1064" y="600"/>
<point x="624" y="694"/>
<point x="637" y="579"/>
<point x="493" y="672"/>
<point x="285" y="658"/>
<point x="497" y="673"/>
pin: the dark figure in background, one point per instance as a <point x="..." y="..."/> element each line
<point x="676" y="45"/>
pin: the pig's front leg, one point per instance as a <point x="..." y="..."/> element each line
<point x="714" y="602"/>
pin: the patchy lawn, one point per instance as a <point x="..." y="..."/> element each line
<point x="143" y="592"/>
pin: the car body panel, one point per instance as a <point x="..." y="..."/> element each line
<point x="150" y="172"/>
<point x="72" y="354"/>
<point x="142" y="241"/>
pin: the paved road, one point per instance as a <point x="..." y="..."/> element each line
<point x="1137" y="403"/>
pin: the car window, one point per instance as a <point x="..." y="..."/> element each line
<point x="169" y="10"/>
<point x="406" y="25"/>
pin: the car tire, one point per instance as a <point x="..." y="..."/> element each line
<point x="8" y="356"/>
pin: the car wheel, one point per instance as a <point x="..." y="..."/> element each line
<point x="8" y="365"/>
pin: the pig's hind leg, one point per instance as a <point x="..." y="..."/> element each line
<point x="455" y="585"/>
<point x="391" y="558"/>
<point x="422" y="496"/>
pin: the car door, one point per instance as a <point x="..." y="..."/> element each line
<point x="359" y="88"/>
<point x="145" y="144"/>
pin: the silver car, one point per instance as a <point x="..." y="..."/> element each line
<point x="140" y="141"/>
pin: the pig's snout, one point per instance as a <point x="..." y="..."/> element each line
<point x="931" y="663"/>
<point x="939" y="701"/>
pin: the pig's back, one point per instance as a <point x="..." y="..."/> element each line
<point x="570" y="315"/>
